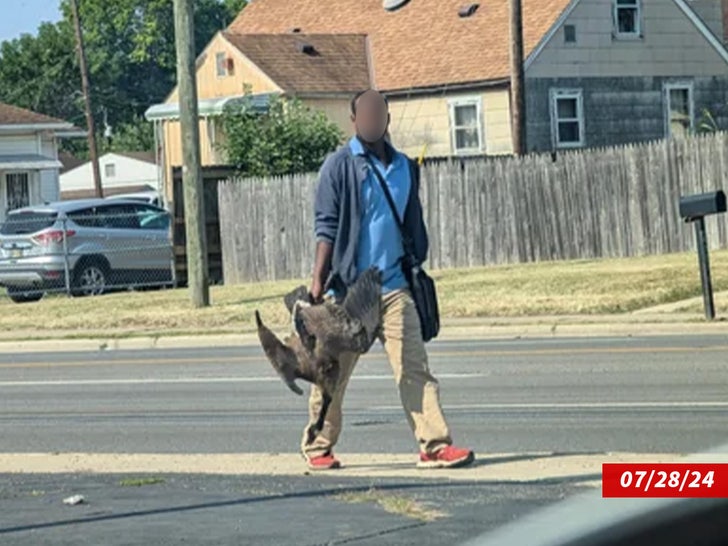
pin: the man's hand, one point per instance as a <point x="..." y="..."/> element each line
<point x="317" y="290"/>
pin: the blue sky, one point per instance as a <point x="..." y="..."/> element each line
<point x="25" y="16"/>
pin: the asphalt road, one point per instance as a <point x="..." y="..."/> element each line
<point x="565" y="395"/>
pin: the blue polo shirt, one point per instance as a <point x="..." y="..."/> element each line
<point x="380" y="242"/>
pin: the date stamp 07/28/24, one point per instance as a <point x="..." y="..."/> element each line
<point x="665" y="480"/>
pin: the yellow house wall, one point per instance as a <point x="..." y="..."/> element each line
<point x="419" y="122"/>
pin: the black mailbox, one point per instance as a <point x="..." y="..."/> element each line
<point x="693" y="207"/>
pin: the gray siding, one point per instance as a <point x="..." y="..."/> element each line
<point x="619" y="110"/>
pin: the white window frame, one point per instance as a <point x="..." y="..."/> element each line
<point x="30" y="179"/>
<point x="110" y="170"/>
<point x="453" y="104"/>
<point x="218" y="55"/>
<point x="638" y="23"/>
<point x="682" y="86"/>
<point x="555" y="95"/>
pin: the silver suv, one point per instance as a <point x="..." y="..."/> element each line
<point x="101" y="244"/>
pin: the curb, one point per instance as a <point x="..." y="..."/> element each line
<point x="547" y="327"/>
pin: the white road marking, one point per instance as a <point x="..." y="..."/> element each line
<point x="575" y="405"/>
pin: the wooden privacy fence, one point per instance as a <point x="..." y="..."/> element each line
<point x="602" y="203"/>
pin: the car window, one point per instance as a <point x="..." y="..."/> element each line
<point x="119" y="216"/>
<point x="153" y="218"/>
<point x="86" y="218"/>
<point x="27" y="222"/>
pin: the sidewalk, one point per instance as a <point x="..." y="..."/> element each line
<point x="622" y="325"/>
<point x="576" y="468"/>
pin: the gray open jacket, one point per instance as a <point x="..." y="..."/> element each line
<point x="338" y="214"/>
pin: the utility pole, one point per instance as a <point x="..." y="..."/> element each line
<point x="85" y="88"/>
<point x="196" y="237"/>
<point x="518" y="95"/>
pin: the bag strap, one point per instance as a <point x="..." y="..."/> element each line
<point x="406" y="241"/>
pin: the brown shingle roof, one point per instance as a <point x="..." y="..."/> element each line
<point x="337" y="64"/>
<point x="147" y="157"/>
<point x="423" y="44"/>
<point x="12" y="115"/>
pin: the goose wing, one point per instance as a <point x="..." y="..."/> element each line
<point x="349" y="327"/>
<point x="282" y="357"/>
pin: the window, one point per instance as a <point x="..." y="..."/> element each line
<point x="567" y="118"/>
<point x="679" y="109"/>
<point x="466" y="126"/>
<point x="569" y="34"/>
<point x="17" y="191"/>
<point x="627" y="18"/>
<point x="86" y="218"/>
<point x="110" y="170"/>
<point x="221" y="64"/>
<point x="28" y="222"/>
<point x="153" y="218"/>
<point x="119" y="217"/>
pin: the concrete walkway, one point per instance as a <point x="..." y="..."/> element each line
<point x="584" y="469"/>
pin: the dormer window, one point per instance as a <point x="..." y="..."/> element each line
<point x="627" y="18"/>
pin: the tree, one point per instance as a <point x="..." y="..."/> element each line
<point x="287" y="138"/>
<point x="41" y="72"/>
<point x="134" y="136"/>
<point x="131" y="57"/>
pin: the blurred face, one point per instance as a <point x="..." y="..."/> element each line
<point x="372" y="117"/>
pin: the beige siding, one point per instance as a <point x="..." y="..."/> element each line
<point x="337" y="110"/>
<point x="244" y="75"/>
<point x="672" y="46"/>
<point x="424" y="123"/>
<point x="209" y="140"/>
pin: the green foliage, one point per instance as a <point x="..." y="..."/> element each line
<point x="135" y="136"/>
<point x="131" y="55"/>
<point x="288" y="138"/>
<point x="708" y="123"/>
<point x="41" y="73"/>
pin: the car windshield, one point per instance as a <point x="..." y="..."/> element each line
<point x="21" y="223"/>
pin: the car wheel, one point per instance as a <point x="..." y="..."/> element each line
<point x="90" y="278"/>
<point x="24" y="295"/>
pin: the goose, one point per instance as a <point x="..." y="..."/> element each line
<point x="321" y="333"/>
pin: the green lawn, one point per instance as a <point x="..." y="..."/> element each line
<point x="580" y="287"/>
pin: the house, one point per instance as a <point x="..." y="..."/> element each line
<point x="29" y="157"/>
<point x="121" y="172"/>
<point x="323" y="71"/>
<point x="598" y="72"/>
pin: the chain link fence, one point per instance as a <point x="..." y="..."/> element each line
<point x="85" y="251"/>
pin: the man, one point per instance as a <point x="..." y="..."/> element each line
<point x="355" y="229"/>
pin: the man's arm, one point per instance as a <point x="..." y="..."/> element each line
<point x="326" y="214"/>
<point x="321" y="269"/>
<point x="419" y="229"/>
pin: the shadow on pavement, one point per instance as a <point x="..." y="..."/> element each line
<point x="430" y="484"/>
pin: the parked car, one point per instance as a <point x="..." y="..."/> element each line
<point x="103" y="244"/>
<point x="151" y="197"/>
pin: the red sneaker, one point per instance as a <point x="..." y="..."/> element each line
<point x="447" y="457"/>
<point x="323" y="462"/>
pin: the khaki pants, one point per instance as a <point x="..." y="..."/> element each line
<point x="418" y="389"/>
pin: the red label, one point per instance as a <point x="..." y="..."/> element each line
<point x="686" y="480"/>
